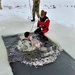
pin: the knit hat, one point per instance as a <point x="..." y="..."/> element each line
<point x="43" y="13"/>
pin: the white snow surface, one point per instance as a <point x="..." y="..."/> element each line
<point x="17" y="20"/>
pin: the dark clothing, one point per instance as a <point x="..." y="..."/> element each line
<point x="38" y="31"/>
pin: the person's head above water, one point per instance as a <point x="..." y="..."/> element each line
<point x="26" y="34"/>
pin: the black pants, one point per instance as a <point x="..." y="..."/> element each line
<point x="38" y="31"/>
<point x="41" y="34"/>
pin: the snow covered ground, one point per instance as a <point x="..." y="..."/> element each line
<point x="15" y="18"/>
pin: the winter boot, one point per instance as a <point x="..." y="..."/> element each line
<point x="33" y="19"/>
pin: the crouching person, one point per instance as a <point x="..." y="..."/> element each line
<point x="43" y="23"/>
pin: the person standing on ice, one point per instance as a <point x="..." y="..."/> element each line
<point x="43" y="23"/>
<point x="35" y="9"/>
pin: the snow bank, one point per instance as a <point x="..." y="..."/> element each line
<point x="64" y="36"/>
<point x="4" y="65"/>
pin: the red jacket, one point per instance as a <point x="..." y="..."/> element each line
<point x="44" y="23"/>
